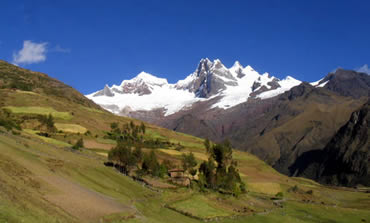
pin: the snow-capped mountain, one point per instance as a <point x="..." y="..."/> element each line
<point x="227" y="87"/>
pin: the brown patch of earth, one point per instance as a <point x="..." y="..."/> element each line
<point x="92" y="144"/>
<point x="158" y="184"/>
<point x="83" y="203"/>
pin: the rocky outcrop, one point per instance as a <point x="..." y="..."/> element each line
<point x="209" y="79"/>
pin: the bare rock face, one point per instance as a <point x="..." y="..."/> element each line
<point x="105" y="92"/>
<point x="209" y="79"/>
<point x="136" y="88"/>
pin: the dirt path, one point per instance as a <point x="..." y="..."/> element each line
<point x="83" y="203"/>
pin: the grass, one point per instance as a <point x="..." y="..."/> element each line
<point x="198" y="155"/>
<point x="92" y="109"/>
<point x="40" y="111"/>
<point x="198" y="206"/>
<point x="270" y="188"/>
<point x="106" y="141"/>
<point x="47" y="139"/>
<point x="295" y="212"/>
<point x="71" y="128"/>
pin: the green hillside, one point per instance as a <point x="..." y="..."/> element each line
<point x="42" y="179"/>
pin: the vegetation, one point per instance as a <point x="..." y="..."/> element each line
<point x="133" y="135"/>
<point x="8" y="121"/>
<point x="71" y="128"/>
<point x="220" y="171"/>
<point x="79" y="144"/>
<point x="48" y="122"/>
<point x="39" y="111"/>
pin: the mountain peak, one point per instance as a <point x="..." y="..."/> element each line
<point x="237" y="65"/>
<point x="217" y="64"/>
<point x="364" y="69"/>
<point x="147" y="78"/>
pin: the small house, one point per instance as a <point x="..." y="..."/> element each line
<point x="178" y="177"/>
<point x="176" y="173"/>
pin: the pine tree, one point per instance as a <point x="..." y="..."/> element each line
<point x="142" y="127"/>
<point x="207" y="144"/>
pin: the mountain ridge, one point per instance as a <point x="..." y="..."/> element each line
<point x="232" y="86"/>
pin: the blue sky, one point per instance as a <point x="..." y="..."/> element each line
<point x="87" y="44"/>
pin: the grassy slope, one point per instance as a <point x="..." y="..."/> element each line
<point x="42" y="181"/>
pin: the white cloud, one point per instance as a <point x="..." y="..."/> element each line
<point x="30" y="53"/>
<point x="364" y="69"/>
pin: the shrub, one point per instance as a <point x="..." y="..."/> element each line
<point x="279" y="195"/>
<point x="79" y="144"/>
<point x="293" y="189"/>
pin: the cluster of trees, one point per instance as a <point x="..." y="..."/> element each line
<point x="47" y="121"/>
<point x="220" y="171"/>
<point x="189" y="163"/>
<point x="133" y="135"/>
<point x="125" y="159"/>
<point x="8" y="121"/>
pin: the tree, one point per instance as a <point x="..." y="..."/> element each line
<point x="50" y="123"/>
<point x="220" y="171"/>
<point x="138" y="154"/>
<point x="188" y="161"/>
<point x="207" y="144"/>
<point x="142" y="127"/>
<point x="79" y="144"/>
<point x="150" y="163"/>
<point x="222" y="153"/>
<point x="114" y="125"/>
<point x="208" y="170"/>
<point x="132" y="125"/>
<point x="126" y="158"/>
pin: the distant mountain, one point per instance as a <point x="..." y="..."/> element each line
<point x="280" y="121"/>
<point x="231" y="86"/>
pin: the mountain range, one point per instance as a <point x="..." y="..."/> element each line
<point x="280" y="121"/>
<point x="226" y="87"/>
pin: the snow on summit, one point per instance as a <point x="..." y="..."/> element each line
<point x="230" y="86"/>
<point x="146" y="78"/>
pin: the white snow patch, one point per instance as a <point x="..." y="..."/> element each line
<point x="317" y="83"/>
<point x="322" y="84"/>
<point x="167" y="97"/>
<point x="147" y="78"/>
<point x="286" y="84"/>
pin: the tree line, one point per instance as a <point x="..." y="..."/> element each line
<point x="132" y="135"/>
